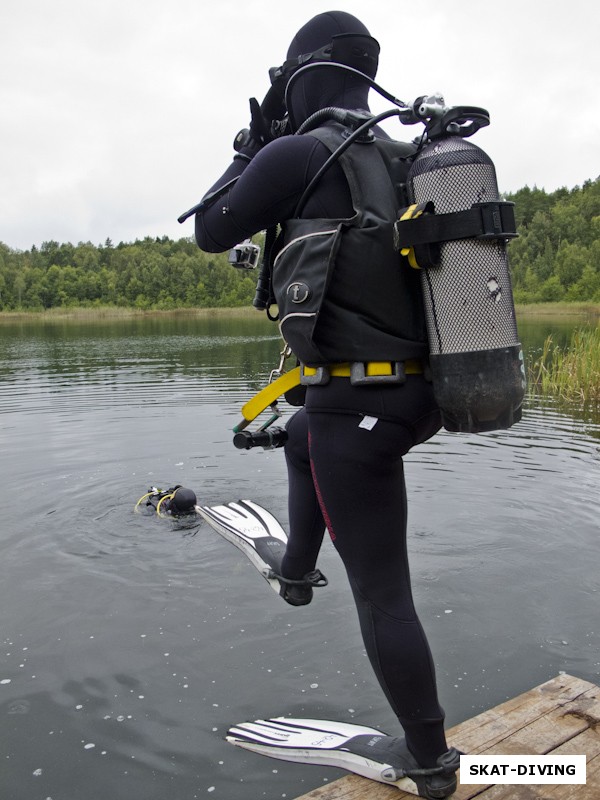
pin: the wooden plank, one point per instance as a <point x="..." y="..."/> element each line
<point x="483" y="732"/>
<point x="562" y="716"/>
<point x="587" y="742"/>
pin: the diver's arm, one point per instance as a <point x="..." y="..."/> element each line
<point x="267" y="191"/>
<point x="217" y="192"/>
<point x="204" y="235"/>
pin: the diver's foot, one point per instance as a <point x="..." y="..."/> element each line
<point x="437" y="787"/>
<point x="300" y="593"/>
<point x="433" y="783"/>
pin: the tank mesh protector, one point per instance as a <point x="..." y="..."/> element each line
<point x="475" y="356"/>
<point x="468" y="297"/>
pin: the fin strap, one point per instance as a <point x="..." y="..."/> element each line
<point x="450" y="763"/>
<point x="314" y="578"/>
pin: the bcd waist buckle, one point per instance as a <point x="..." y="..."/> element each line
<point x="361" y="373"/>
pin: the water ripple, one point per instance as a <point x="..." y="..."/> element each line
<point x="129" y="642"/>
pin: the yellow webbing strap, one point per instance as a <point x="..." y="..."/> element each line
<point x="267" y="396"/>
<point x="372" y="368"/>
<point x="345" y="370"/>
<point x="412" y="212"/>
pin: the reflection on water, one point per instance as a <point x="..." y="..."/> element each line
<point x="125" y="363"/>
<point x="130" y="644"/>
<point x="534" y="330"/>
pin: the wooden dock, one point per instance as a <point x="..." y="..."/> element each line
<point x="561" y="716"/>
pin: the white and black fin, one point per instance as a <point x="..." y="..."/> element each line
<point x="356" y="748"/>
<point x="254" y="531"/>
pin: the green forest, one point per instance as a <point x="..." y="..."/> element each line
<point x="556" y="257"/>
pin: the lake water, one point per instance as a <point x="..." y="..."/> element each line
<point x="129" y="645"/>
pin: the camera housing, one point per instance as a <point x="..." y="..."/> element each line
<point x="244" y="255"/>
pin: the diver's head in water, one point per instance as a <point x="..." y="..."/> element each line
<point x="182" y="502"/>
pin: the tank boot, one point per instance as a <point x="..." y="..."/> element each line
<point x="300" y="593"/>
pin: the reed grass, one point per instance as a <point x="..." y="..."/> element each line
<point x="533" y="310"/>
<point x="571" y="373"/>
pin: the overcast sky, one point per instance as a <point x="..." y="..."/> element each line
<point x="117" y="115"/>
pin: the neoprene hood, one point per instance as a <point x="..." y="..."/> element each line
<point x="334" y="36"/>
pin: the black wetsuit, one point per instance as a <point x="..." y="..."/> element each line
<point x="345" y="447"/>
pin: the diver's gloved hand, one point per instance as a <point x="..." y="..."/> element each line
<point x="260" y="128"/>
<point x="250" y="140"/>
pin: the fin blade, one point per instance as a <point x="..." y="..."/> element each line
<point x="312" y="741"/>
<point x="270" y="523"/>
<point x="298" y="733"/>
<point x="254" y="531"/>
<point x="347" y="729"/>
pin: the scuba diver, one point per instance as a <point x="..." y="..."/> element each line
<point x="368" y="399"/>
<point x="174" y="502"/>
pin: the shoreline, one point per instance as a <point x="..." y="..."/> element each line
<point x="586" y="311"/>
<point x="77" y="314"/>
<point x="560" y="309"/>
<point x="85" y="314"/>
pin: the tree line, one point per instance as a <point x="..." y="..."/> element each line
<point x="555" y="257"/>
<point x="152" y="273"/>
<point x="557" y="253"/>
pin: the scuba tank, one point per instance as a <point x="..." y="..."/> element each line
<point x="475" y="356"/>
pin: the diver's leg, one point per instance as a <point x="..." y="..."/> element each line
<point x="306" y="526"/>
<point x="359" y="477"/>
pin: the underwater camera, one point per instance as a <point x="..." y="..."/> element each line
<point x="244" y="255"/>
